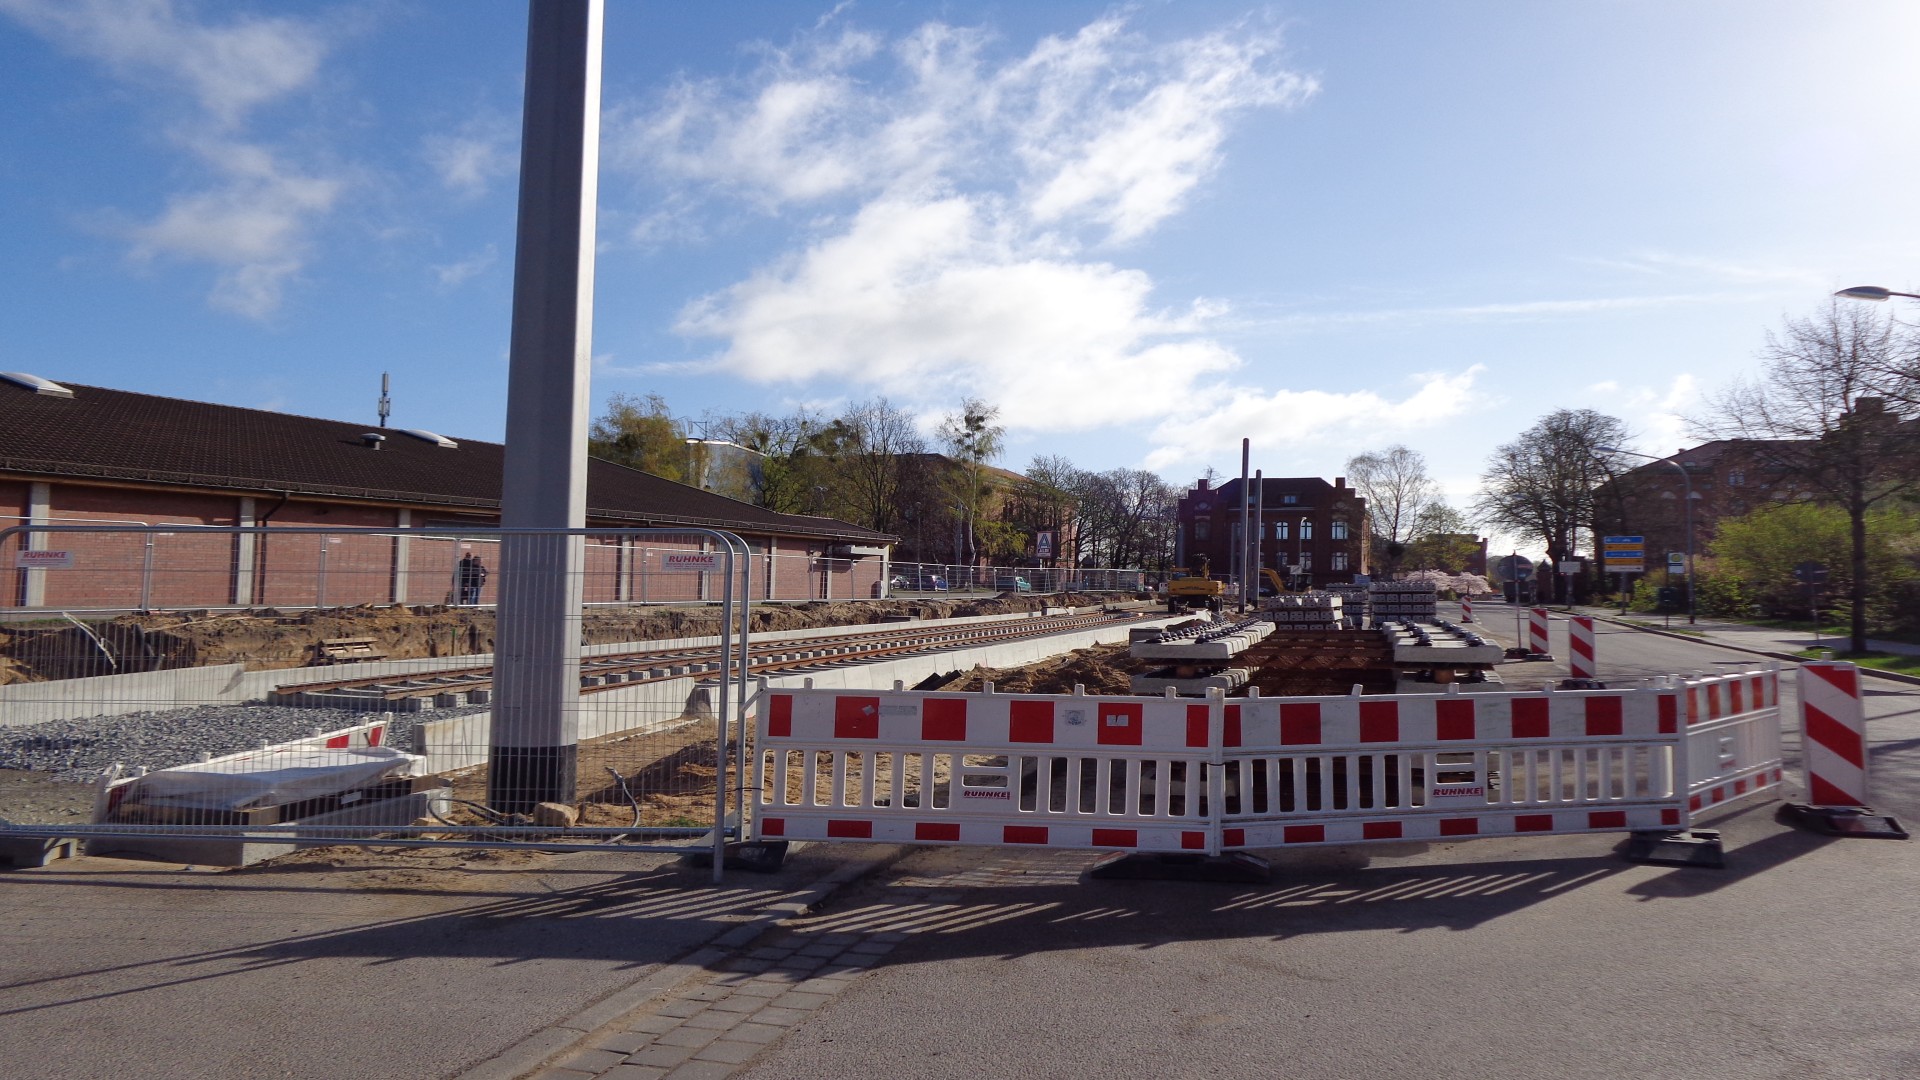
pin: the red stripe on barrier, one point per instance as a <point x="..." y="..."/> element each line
<point x="856" y="717"/>
<point x="1533" y="823"/>
<point x="1735" y="704"/>
<point x="1606" y="819"/>
<point x="943" y="720"/>
<point x="1739" y="788"/>
<point x="373" y="736"/>
<point x="1380" y="830"/>
<point x="1777" y="773"/>
<point x="1121" y="723"/>
<point x="1694" y="803"/>
<point x="780" y="716"/>
<point x="1231" y="736"/>
<point x="1718" y="794"/>
<point x="1196" y="725"/>
<point x="1233" y="837"/>
<point x="1693" y="704"/>
<point x="1379" y="721"/>
<point x="1713" y="702"/>
<point x="1024" y="834"/>
<point x="1460" y="826"/>
<point x="1304" y="834"/>
<point x="1300" y="724"/>
<point x="1844" y="679"/>
<point x="1603" y="716"/>
<point x="1669" y="713"/>
<point x="1530" y="718"/>
<point x="1453" y="719"/>
<point x="850" y="830"/>
<point x="937" y="830"/>
<point x="338" y="742"/>
<point x="1822" y="792"/>
<point x="1833" y="735"/>
<point x="1030" y="721"/>
<point x="1669" y="817"/>
<point x="1116" y="838"/>
<point x="773" y="826"/>
<point x="1193" y="841"/>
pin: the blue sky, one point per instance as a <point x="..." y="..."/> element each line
<point x="1145" y="231"/>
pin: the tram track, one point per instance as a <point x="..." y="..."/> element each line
<point x="473" y="684"/>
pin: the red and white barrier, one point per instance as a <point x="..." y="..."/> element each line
<point x="1466" y="609"/>
<point x="1733" y="737"/>
<point x="1537" y="632"/>
<point x="1834" y="720"/>
<point x="1581" y="662"/>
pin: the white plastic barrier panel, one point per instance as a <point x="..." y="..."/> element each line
<point x="1733" y="737"/>
<point x="1056" y="771"/>
<point x="1833" y="718"/>
<point x="1425" y="767"/>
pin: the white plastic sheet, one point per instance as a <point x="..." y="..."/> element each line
<point x="270" y="777"/>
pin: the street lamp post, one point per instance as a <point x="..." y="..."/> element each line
<point x="1873" y="292"/>
<point x="1686" y="479"/>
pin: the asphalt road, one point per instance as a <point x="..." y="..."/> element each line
<point x="1496" y="958"/>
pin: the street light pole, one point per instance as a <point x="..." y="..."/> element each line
<point x="1873" y="292"/>
<point x="1686" y="479"/>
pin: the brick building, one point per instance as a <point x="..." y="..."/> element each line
<point x="87" y="455"/>
<point x="1304" y="522"/>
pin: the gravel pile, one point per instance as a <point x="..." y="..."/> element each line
<point x="76" y="750"/>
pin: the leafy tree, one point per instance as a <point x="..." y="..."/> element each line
<point x="1441" y="539"/>
<point x="1760" y="550"/>
<point x="640" y="433"/>
<point x="1543" y="485"/>
<point x="1819" y="415"/>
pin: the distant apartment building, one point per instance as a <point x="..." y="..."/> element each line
<point x="1310" y="531"/>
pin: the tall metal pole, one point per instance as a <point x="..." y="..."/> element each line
<point x="1246" y="501"/>
<point x="1688" y="481"/>
<point x="544" y="482"/>
<point x="1259" y="532"/>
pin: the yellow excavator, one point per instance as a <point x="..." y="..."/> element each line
<point x="1196" y="588"/>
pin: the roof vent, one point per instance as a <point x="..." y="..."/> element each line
<point x="36" y="384"/>
<point x="372" y="439"/>
<point x="428" y="436"/>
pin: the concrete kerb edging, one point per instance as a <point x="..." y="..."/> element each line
<point x="1872" y="673"/>
<point x="563" y="1036"/>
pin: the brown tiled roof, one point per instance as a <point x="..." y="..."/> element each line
<point x="115" y="434"/>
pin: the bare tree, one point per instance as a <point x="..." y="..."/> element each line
<point x="1397" y="488"/>
<point x="1544" y="484"/>
<point x="1819" y="417"/>
<point x="973" y="439"/>
<point x="880" y="440"/>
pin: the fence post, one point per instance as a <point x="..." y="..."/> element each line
<point x="146" y="575"/>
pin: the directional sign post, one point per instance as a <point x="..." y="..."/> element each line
<point x="1812" y="575"/>
<point x="1623" y="555"/>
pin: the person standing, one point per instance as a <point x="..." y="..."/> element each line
<point x="472" y="578"/>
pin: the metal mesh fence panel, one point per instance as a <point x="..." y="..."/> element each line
<point x="217" y="695"/>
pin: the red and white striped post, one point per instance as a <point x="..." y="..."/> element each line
<point x="1537" y="632"/>
<point x="1466" y="609"/>
<point x="1833" y="721"/>
<point x="1581" y="663"/>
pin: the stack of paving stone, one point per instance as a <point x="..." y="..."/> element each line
<point x="1305" y="611"/>
<point x="1353" y="602"/>
<point x="1401" y="600"/>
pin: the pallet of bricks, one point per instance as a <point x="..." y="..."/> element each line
<point x="1353" y="603"/>
<point x="1402" y="600"/>
<point x="1304" y="611"/>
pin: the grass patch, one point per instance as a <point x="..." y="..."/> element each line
<point x="1879" y="661"/>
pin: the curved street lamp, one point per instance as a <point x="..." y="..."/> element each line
<point x="1688" y="481"/>
<point x="1873" y="292"/>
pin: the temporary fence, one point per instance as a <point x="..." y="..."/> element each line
<point x="1073" y="771"/>
<point x="922" y="578"/>
<point x="226" y="735"/>
<point x="1537" y="632"/>
<point x="1582" y="658"/>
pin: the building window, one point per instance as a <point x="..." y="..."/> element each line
<point x="1339" y="560"/>
<point x="1736" y="478"/>
<point x="1306" y="561"/>
<point x="1279" y="530"/>
<point x="1289" y="500"/>
<point x="1337" y="531"/>
<point x="1201" y="531"/>
<point x="1306" y="529"/>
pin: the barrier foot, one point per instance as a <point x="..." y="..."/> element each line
<point x="1854" y="821"/>
<point x="24" y="852"/>
<point x="759" y="856"/>
<point x="1684" y="847"/>
<point x="1582" y="684"/>
<point x="1233" y="868"/>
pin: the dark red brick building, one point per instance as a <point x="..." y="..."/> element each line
<point x="1303" y="522"/>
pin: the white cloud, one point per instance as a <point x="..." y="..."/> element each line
<point x="470" y="159"/>
<point x="452" y="275"/>
<point x="1659" y="413"/>
<point x="253" y="217"/>
<point x="1210" y="427"/>
<point x="954" y="204"/>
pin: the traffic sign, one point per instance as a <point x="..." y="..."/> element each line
<point x="1624" y="554"/>
<point x="1676" y="562"/>
<point x="1811" y="573"/>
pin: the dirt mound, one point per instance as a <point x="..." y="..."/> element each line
<point x="1103" y="669"/>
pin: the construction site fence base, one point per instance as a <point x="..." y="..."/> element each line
<point x="1218" y="776"/>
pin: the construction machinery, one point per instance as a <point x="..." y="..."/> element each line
<point x="1196" y="588"/>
